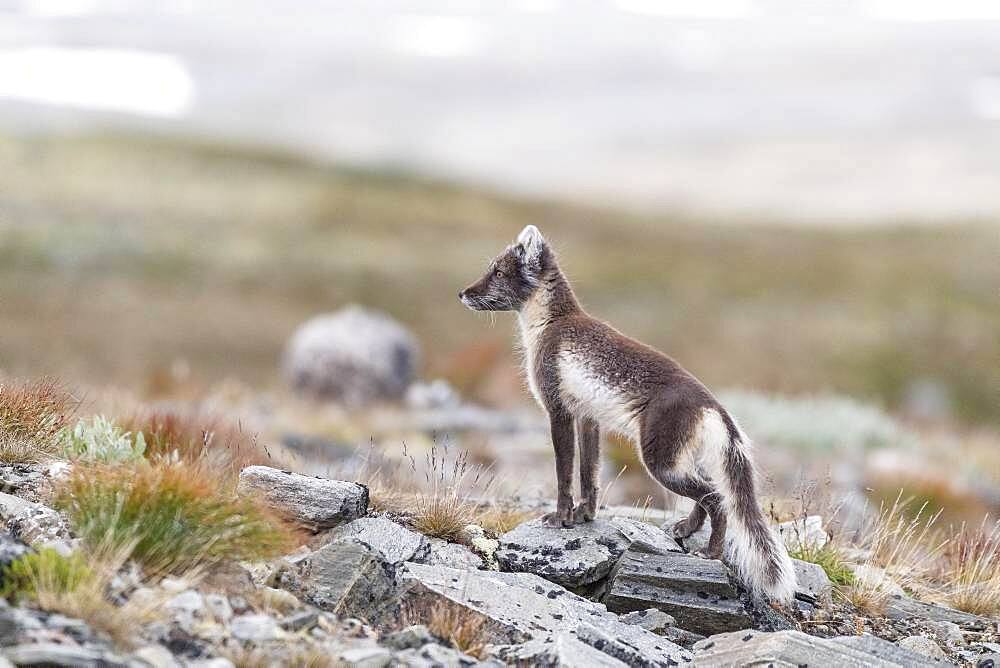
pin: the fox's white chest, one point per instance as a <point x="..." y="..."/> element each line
<point x="530" y="337"/>
<point x="588" y="393"/>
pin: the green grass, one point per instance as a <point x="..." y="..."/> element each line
<point x="142" y="251"/>
<point x="45" y="570"/>
<point x="830" y="559"/>
<point x="172" y="517"/>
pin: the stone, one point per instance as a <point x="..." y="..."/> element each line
<point x="904" y="607"/>
<point x="366" y="657"/>
<point x="411" y="637"/>
<point x="886" y="652"/>
<point x="949" y="632"/>
<point x="355" y="356"/>
<point x="524" y="612"/>
<point x="475" y="538"/>
<point x="453" y="555"/>
<point x="393" y="542"/>
<point x="187" y="608"/>
<point x="298" y="621"/>
<point x="433" y="655"/>
<point x="990" y="660"/>
<point x="229" y="577"/>
<point x="922" y="645"/>
<point x="256" y="628"/>
<point x="157" y="656"/>
<point x="794" y="648"/>
<point x="219" y="607"/>
<point x="314" y="502"/>
<point x="52" y="655"/>
<point x="812" y="583"/>
<point x="644" y="537"/>
<point x="32" y="522"/>
<point x="573" y="557"/>
<point x="563" y="650"/>
<point x="876" y="579"/>
<point x="11" y="549"/>
<point x="652" y="619"/>
<point x="346" y="577"/>
<point x="217" y="662"/>
<point x="697" y="592"/>
<point x="803" y="532"/>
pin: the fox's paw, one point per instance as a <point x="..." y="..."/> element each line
<point x="558" y="519"/>
<point x="683" y="529"/>
<point x="708" y="553"/>
<point x="584" y="512"/>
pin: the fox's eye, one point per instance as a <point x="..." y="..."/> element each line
<point x="498" y="273"/>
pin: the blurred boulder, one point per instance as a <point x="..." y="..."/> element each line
<point x="314" y="502"/>
<point x="355" y="356"/>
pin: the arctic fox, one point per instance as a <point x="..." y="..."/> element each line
<point x="589" y="377"/>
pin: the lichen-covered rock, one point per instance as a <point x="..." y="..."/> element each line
<point x="652" y="620"/>
<point x="393" y="542"/>
<point x="433" y="655"/>
<point x="577" y="556"/>
<point x="453" y="555"/>
<point x="922" y="645"/>
<point x="904" y="607"/>
<point x="697" y="592"/>
<point x="794" y="648"/>
<point x="314" y="502"/>
<point x="529" y="616"/>
<point x="34" y="523"/>
<point x="355" y="356"/>
<point x="803" y="532"/>
<point x="812" y="583"/>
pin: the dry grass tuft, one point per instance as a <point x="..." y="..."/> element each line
<point x="175" y="515"/>
<point x="969" y="569"/>
<point x="255" y="657"/>
<point x="75" y="586"/>
<point x="32" y="413"/>
<point x="503" y="518"/>
<point x="192" y="436"/>
<point x="459" y="626"/>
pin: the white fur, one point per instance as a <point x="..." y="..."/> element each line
<point x="749" y="562"/>
<point x="587" y="394"/>
<point x="533" y="242"/>
<point x="531" y="321"/>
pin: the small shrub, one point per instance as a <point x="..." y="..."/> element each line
<point x="45" y="571"/>
<point x="969" y="569"/>
<point x="447" y="505"/>
<point x="32" y="413"/>
<point x="830" y="558"/>
<point x="175" y="514"/>
<point x="100" y="440"/>
<point x="501" y="519"/>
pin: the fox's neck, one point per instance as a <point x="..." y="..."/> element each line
<point x="553" y="299"/>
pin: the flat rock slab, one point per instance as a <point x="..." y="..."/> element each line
<point x="577" y="556"/>
<point x="315" y="503"/>
<point x="394" y="543"/>
<point x="812" y="583"/>
<point x="904" y="607"/>
<point x="794" y="648"/>
<point x="696" y="592"/>
<point x="530" y="620"/>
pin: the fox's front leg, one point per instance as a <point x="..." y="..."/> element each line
<point x="561" y="424"/>
<point x="588" y="438"/>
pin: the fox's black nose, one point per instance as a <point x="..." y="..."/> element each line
<point x="461" y="294"/>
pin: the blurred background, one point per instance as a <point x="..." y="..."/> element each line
<point x="799" y="201"/>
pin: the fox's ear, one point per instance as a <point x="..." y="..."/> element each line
<point x="532" y="241"/>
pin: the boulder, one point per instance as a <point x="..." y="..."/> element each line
<point x="443" y="553"/>
<point x="812" y="583"/>
<point x="314" y="502"/>
<point x="53" y="654"/>
<point x="904" y="607"/>
<point x="697" y="592"/>
<point x="922" y="645"/>
<point x="411" y="637"/>
<point x="393" y="542"/>
<point x="34" y="523"/>
<point x="578" y="556"/>
<point x="354" y="356"/>
<point x="433" y="655"/>
<point x="527" y="619"/>
<point x="255" y="628"/>
<point x="11" y="549"/>
<point x="652" y="620"/>
<point x="803" y="532"/>
<point x="366" y="657"/>
<point x="794" y="648"/>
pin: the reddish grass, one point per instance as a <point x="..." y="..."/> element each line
<point x="32" y="412"/>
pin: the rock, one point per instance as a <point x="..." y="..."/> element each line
<point x="991" y="660"/>
<point x="528" y="614"/>
<point x="803" y="532"/>
<point x="298" y="621"/>
<point x="876" y="579"/>
<point x="794" y="648"/>
<point x="256" y="628"/>
<point x="411" y="637"/>
<point x="11" y="549"/>
<point x="433" y="655"/>
<point x="345" y="576"/>
<point x="473" y="536"/>
<point x="922" y="645"/>
<point x="229" y="577"/>
<point x="217" y="662"/>
<point x="453" y="555"/>
<point x="643" y="537"/>
<point x="32" y="522"/>
<point x="696" y="541"/>
<point x="904" y="607"/>
<point x="949" y="632"/>
<point x="812" y="583"/>
<point x="187" y="608"/>
<point x="21" y="479"/>
<point x="573" y="557"/>
<point x="316" y="503"/>
<point x="219" y="607"/>
<point x="696" y="591"/>
<point x="435" y="394"/>
<point x="55" y="655"/>
<point x="366" y="657"/>
<point x="157" y="656"/>
<point x="354" y="356"/>
<point x="393" y="542"/>
<point x="652" y="620"/>
<point x="562" y="650"/>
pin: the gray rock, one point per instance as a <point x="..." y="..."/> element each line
<point x="812" y="583"/>
<point x="157" y="656"/>
<point x="990" y="660"/>
<point x="886" y="652"/>
<point x="256" y="628"/>
<point x="696" y="591"/>
<point x="452" y="555"/>
<point x="794" y="648"/>
<point x="524" y="609"/>
<point x="346" y="577"/>
<point x="316" y="503"/>
<point x="922" y="645"/>
<point x="217" y="662"/>
<point x="563" y="650"/>
<point x="572" y="557"/>
<point x="187" y="609"/>
<point x="70" y="656"/>
<point x="904" y="607"/>
<point x="411" y="637"/>
<point x="393" y="542"/>
<point x="803" y="532"/>
<point x="298" y="621"/>
<point x="948" y="632"/>
<point x="644" y="537"/>
<point x="355" y="356"/>
<point x="652" y="620"/>
<point x="32" y="522"/>
<point x="696" y="541"/>
<point x="433" y="655"/>
<point x="220" y="608"/>
<point x="366" y="657"/>
<point x="11" y="549"/>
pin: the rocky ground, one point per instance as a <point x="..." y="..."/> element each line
<point x="365" y="589"/>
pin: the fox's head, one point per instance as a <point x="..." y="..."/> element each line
<point x="512" y="277"/>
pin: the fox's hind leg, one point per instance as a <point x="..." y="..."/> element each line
<point x="588" y="438"/>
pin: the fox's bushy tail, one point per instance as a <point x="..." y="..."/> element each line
<point x="757" y="553"/>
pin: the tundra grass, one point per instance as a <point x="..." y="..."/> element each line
<point x="32" y="415"/>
